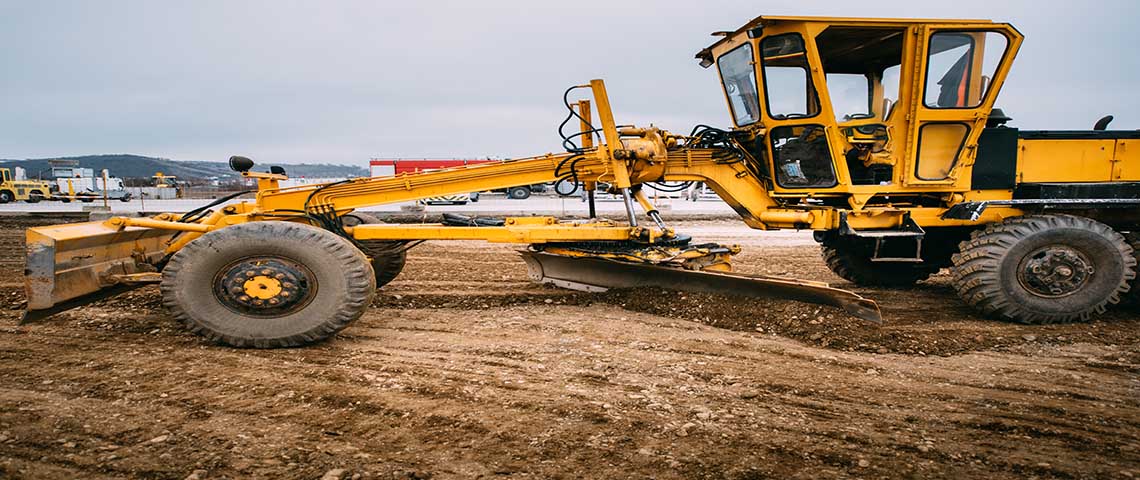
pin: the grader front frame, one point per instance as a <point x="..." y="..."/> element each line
<point x="248" y="273"/>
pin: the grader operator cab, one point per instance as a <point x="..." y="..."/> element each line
<point x="877" y="134"/>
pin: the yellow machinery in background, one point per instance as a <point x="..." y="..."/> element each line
<point x="31" y="191"/>
<point x="878" y="134"/>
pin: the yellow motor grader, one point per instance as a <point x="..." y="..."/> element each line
<point x="877" y="134"/>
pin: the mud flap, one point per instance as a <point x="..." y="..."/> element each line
<point x="76" y="264"/>
<point x="598" y="275"/>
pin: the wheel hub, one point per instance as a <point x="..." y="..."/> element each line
<point x="265" y="286"/>
<point x="1055" y="271"/>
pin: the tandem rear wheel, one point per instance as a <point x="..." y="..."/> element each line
<point x="851" y="258"/>
<point x="386" y="262"/>
<point x="268" y="284"/>
<point x="1132" y="298"/>
<point x="1044" y="269"/>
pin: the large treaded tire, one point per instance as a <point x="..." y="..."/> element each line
<point x="987" y="271"/>
<point x="851" y="261"/>
<point x="386" y="266"/>
<point x="1132" y="298"/>
<point x="344" y="284"/>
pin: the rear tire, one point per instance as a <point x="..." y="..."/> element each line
<point x="519" y="193"/>
<point x="850" y="259"/>
<point x="1044" y="269"/>
<point x="35" y="196"/>
<point x="387" y="266"/>
<point x="322" y="283"/>
<point x="1132" y="298"/>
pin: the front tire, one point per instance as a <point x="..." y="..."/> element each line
<point x="268" y="284"/>
<point x="6" y="197"/>
<point x="1044" y="269"/>
<point x="519" y="193"/>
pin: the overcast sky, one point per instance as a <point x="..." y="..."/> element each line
<point x="343" y="81"/>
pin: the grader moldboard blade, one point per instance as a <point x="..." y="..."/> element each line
<point x="600" y="274"/>
<point x="75" y="264"/>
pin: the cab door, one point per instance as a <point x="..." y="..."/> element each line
<point x="957" y="73"/>
<point x="797" y="111"/>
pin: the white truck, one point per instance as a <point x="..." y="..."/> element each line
<point x="74" y="183"/>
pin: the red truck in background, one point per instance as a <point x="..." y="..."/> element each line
<point x="383" y="167"/>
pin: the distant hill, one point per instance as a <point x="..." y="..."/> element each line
<point x="137" y="166"/>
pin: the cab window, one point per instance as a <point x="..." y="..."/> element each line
<point x="739" y="78"/>
<point x="959" y="67"/>
<point x="802" y="157"/>
<point x="788" y="90"/>
<point x="861" y="66"/>
<point x="850" y="96"/>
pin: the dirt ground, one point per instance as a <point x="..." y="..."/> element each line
<point x="464" y="369"/>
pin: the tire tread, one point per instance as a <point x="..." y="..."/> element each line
<point x="360" y="281"/>
<point x="977" y="266"/>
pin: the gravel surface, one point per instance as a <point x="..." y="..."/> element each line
<point x="464" y="369"/>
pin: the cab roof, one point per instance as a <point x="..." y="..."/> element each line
<point x="766" y="20"/>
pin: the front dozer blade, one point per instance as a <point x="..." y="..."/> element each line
<point x="599" y="274"/>
<point x="75" y="264"/>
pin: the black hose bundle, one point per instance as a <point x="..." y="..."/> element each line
<point x="201" y="212"/>
<point x="571" y="163"/>
<point x="667" y="188"/>
<point x="704" y="136"/>
<point x="568" y="140"/>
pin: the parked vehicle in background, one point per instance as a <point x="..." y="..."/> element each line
<point x="460" y="199"/>
<point x="15" y="187"/>
<point x="523" y="192"/>
<point x="699" y="191"/>
<point x="76" y="183"/>
<point x="603" y="191"/>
